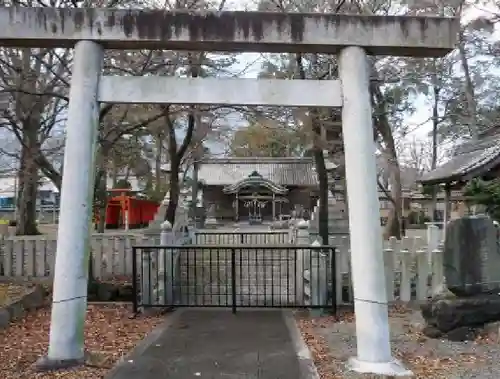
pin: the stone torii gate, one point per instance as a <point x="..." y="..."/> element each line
<point x="352" y="37"/>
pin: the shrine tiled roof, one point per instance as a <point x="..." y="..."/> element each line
<point x="281" y="171"/>
<point x="472" y="159"/>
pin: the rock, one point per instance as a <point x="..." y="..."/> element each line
<point x="464" y="333"/>
<point x="16" y="310"/>
<point x="4" y="318"/>
<point x="447" y="314"/>
<point x="442" y="292"/>
<point x="432" y="332"/>
<point x="492" y="331"/>
<point x="106" y="292"/>
<point x="34" y="299"/>
<point x="125" y="293"/>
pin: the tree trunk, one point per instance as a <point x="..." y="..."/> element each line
<point x="394" y="222"/>
<point x="174" y="192"/>
<point x="158" y="181"/>
<point x="194" y="188"/>
<point x="100" y="199"/>
<point x="99" y="202"/>
<point x="99" y="205"/>
<point x="319" y="161"/>
<point x="48" y="170"/>
<point x="27" y="184"/>
<point x="114" y="174"/>
<point x="469" y="87"/>
<point x="176" y="156"/>
<point x="323" y="231"/>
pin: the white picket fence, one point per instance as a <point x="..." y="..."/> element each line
<point x="413" y="269"/>
<point x="33" y="256"/>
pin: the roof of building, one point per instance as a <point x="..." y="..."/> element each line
<point x="471" y="159"/>
<point x="255" y="180"/>
<point x="281" y="171"/>
<point x="136" y="184"/>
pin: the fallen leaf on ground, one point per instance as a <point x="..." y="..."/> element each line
<point x="331" y="367"/>
<point x="110" y="334"/>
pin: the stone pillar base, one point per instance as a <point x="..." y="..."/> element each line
<point x="47" y="364"/>
<point x="391" y="368"/>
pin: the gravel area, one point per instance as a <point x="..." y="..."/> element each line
<point x="109" y="335"/>
<point x="332" y="341"/>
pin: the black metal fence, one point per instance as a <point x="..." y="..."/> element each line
<point x="217" y="237"/>
<point x="245" y="276"/>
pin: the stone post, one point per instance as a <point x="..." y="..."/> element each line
<point x="317" y="277"/>
<point x="370" y="304"/>
<point x="164" y="289"/>
<point x="301" y="260"/>
<point x="433" y="239"/>
<point x="435" y="257"/>
<point x="154" y="227"/>
<point x="292" y="233"/>
<point x="447" y="207"/>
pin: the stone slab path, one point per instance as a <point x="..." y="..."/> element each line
<point x="215" y="344"/>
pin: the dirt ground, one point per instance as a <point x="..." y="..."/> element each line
<point x="332" y="341"/>
<point x="110" y="334"/>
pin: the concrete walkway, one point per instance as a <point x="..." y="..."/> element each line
<point x="214" y="344"/>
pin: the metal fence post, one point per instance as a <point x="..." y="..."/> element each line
<point x="233" y="279"/>
<point x="301" y="263"/>
<point x="333" y="277"/>
<point x="135" y="305"/>
<point x="145" y="277"/>
<point x="318" y="277"/>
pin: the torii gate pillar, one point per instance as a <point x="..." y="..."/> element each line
<point x="370" y="297"/>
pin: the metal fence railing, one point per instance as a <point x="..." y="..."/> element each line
<point x="238" y="276"/>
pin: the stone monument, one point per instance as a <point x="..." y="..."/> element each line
<point x="471" y="266"/>
<point x="471" y="256"/>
